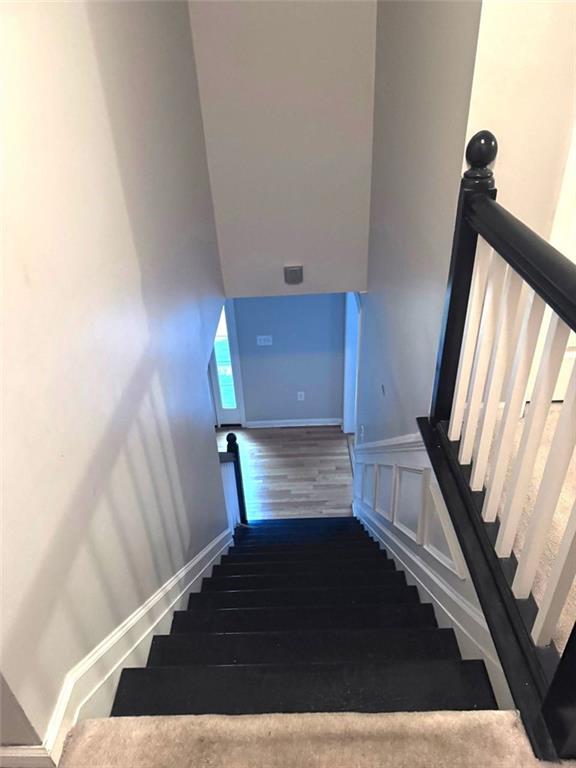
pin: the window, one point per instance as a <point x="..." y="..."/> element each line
<point x="224" y="365"/>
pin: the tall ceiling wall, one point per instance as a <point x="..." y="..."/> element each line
<point x="287" y="92"/>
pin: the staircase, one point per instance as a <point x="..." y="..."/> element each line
<point x="304" y="616"/>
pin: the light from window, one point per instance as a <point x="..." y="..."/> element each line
<point x="224" y="365"/>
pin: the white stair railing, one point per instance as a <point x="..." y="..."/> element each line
<point x="503" y="456"/>
<point x="503" y="323"/>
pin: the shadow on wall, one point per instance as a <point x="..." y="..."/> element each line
<point x="151" y="496"/>
<point x="164" y="170"/>
<point x="136" y="444"/>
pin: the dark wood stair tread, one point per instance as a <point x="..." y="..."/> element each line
<point x="335" y="537"/>
<point x="304" y="522"/>
<point x="306" y="580"/>
<point x="304" y="616"/>
<point x="299" y="566"/>
<point x="253" y="689"/>
<point x="252" y="547"/>
<point x="322" y="646"/>
<point x="392" y="592"/>
<point x="369" y="616"/>
<point x="331" y="558"/>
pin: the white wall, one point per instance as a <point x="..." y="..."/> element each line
<point x="307" y="355"/>
<point x="112" y="294"/>
<point x="528" y="100"/>
<point x="524" y="91"/>
<point x="287" y="101"/>
<point x="424" y="65"/>
<point x="563" y="233"/>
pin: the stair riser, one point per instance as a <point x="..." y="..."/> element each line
<point x="303" y="580"/>
<point x="304" y="522"/>
<point x="328" y="560"/>
<point x="304" y="617"/>
<point x="313" y="533"/>
<point x="297" y="647"/>
<point x="350" y="530"/>
<point x="310" y="549"/>
<point x="339" y="524"/>
<point x="285" y="597"/>
<point x="235" y="690"/>
<point x="302" y="566"/>
<point x="296" y="539"/>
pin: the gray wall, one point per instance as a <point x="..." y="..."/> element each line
<point x="15" y="728"/>
<point x="307" y="355"/>
<point x="424" y="64"/>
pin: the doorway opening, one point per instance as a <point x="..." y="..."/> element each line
<point x="224" y="371"/>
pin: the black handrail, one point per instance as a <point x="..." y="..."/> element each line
<point x="545" y="269"/>
<point x="520" y="663"/>
<point x="548" y="710"/>
<point x="232" y="454"/>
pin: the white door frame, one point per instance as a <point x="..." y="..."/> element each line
<point x="352" y="329"/>
<point x="227" y="416"/>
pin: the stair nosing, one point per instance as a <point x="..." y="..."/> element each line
<point x="299" y="607"/>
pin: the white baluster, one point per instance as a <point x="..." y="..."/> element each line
<point x="477" y="290"/>
<point x="482" y="356"/>
<point x="514" y="398"/>
<point x="558" y="586"/>
<point x="549" y="492"/>
<point x="506" y="340"/>
<point x="552" y="355"/>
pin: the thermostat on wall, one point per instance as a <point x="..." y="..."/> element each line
<point x="293" y="275"/>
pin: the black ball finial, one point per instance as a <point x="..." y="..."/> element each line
<point x="231" y="438"/>
<point x="480" y="153"/>
<point x="482" y="149"/>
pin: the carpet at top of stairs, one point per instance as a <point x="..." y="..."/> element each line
<point x="484" y="739"/>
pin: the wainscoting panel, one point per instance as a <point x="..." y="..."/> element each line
<point x="358" y="480"/>
<point x="439" y="537"/>
<point x="369" y="484"/>
<point x="398" y="500"/>
<point x="409" y="508"/>
<point x="385" y="493"/>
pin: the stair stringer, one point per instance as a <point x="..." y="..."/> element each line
<point x="415" y="529"/>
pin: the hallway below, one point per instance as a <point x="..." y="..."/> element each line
<point x="294" y="471"/>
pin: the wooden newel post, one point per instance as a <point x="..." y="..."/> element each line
<point x="478" y="179"/>
<point x="233" y="448"/>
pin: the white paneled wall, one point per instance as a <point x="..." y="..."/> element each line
<point x="397" y="498"/>
<point x="407" y="496"/>
<point x="410" y="504"/>
<point x="385" y="490"/>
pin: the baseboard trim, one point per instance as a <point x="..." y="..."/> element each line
<point x="293" y="423"/>
<point x="98" y="672"/>
<point x="25" y="757"/>
<point x="411" y="442"/>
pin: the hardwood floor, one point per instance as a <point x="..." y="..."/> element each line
<point x="294" y="471"/>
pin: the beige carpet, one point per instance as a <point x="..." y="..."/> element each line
<point x="400" y="740"/>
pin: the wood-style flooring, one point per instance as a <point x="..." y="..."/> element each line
<point x="294" y="471"/>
